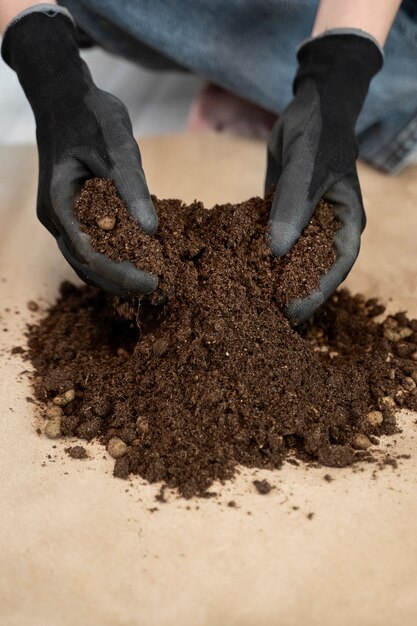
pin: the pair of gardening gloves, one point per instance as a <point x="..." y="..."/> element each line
<point x="83" y="132"/>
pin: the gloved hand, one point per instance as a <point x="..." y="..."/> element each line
<point x="312" y="152"/>
<point x="82" y="132"/>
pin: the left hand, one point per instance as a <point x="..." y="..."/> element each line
<point x="312" y="152"/>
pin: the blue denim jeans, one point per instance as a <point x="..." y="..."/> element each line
<point x="249" y="48"/>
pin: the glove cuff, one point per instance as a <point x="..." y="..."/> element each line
<point x="341" y="65"/>
<point x="342" y="31"/>
<point x="40" y="45"/>
<point x="44" y="7"/>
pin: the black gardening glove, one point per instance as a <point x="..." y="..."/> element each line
<point x="82" y="132"/>
<point x="312" y="152"/>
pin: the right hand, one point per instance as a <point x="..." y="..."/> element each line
<point x="82" y="132"/>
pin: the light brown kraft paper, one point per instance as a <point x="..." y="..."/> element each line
<point x="79" y="547"/>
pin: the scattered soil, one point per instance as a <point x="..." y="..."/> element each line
<point x="211" y="375"/>
<point x="77" y="452"/>
<point x="263" y="487"/>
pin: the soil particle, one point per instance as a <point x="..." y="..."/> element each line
<point x="89" y="428"/>
<point x="17" y="350"/>
<point x="160" y="496"/>
<point x="122" y="467"/>
<point x="263" y="487"/>
<point x="207" y="374"/>
<point x="77" y="452"/>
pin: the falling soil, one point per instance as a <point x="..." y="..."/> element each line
<point x="211" y="375"/>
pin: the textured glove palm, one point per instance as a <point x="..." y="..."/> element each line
<point x="313" y="149"/>
<point x="82" y="132"/>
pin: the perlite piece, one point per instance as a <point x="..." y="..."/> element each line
<point x="64" y="399"/>
<point x="387" y="402"/>
<point x="106" y="223"/>
<point x="116" y="447"/>
<point x="53" y="428"/>
<point x="398" y="334"/>
<point x="361" y="442"/>
<point x="409" y="384"/>
<point x="375" y="418"/>
<point x="53" y="412"/>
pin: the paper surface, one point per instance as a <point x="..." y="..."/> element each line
<point x="79" y="547"/>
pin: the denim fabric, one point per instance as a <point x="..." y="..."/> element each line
<point x="248" y="47"/>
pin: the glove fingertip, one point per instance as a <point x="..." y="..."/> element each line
<point x="298" y="311"/>
<point x="283" y="236"/>
<point x="144" y="212"/>
<point x="148" y="283"/>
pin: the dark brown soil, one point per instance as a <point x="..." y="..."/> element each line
<point x="76" y="452"/>
<point x="193" y="247"/>
<point x="263" y="487"/>
<point x="217" y="377"/>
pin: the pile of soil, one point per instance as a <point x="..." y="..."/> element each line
<point x="184" y="388"/>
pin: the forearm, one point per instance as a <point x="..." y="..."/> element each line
<point x="370" y="16"/>
<point x="10" y="8"/>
